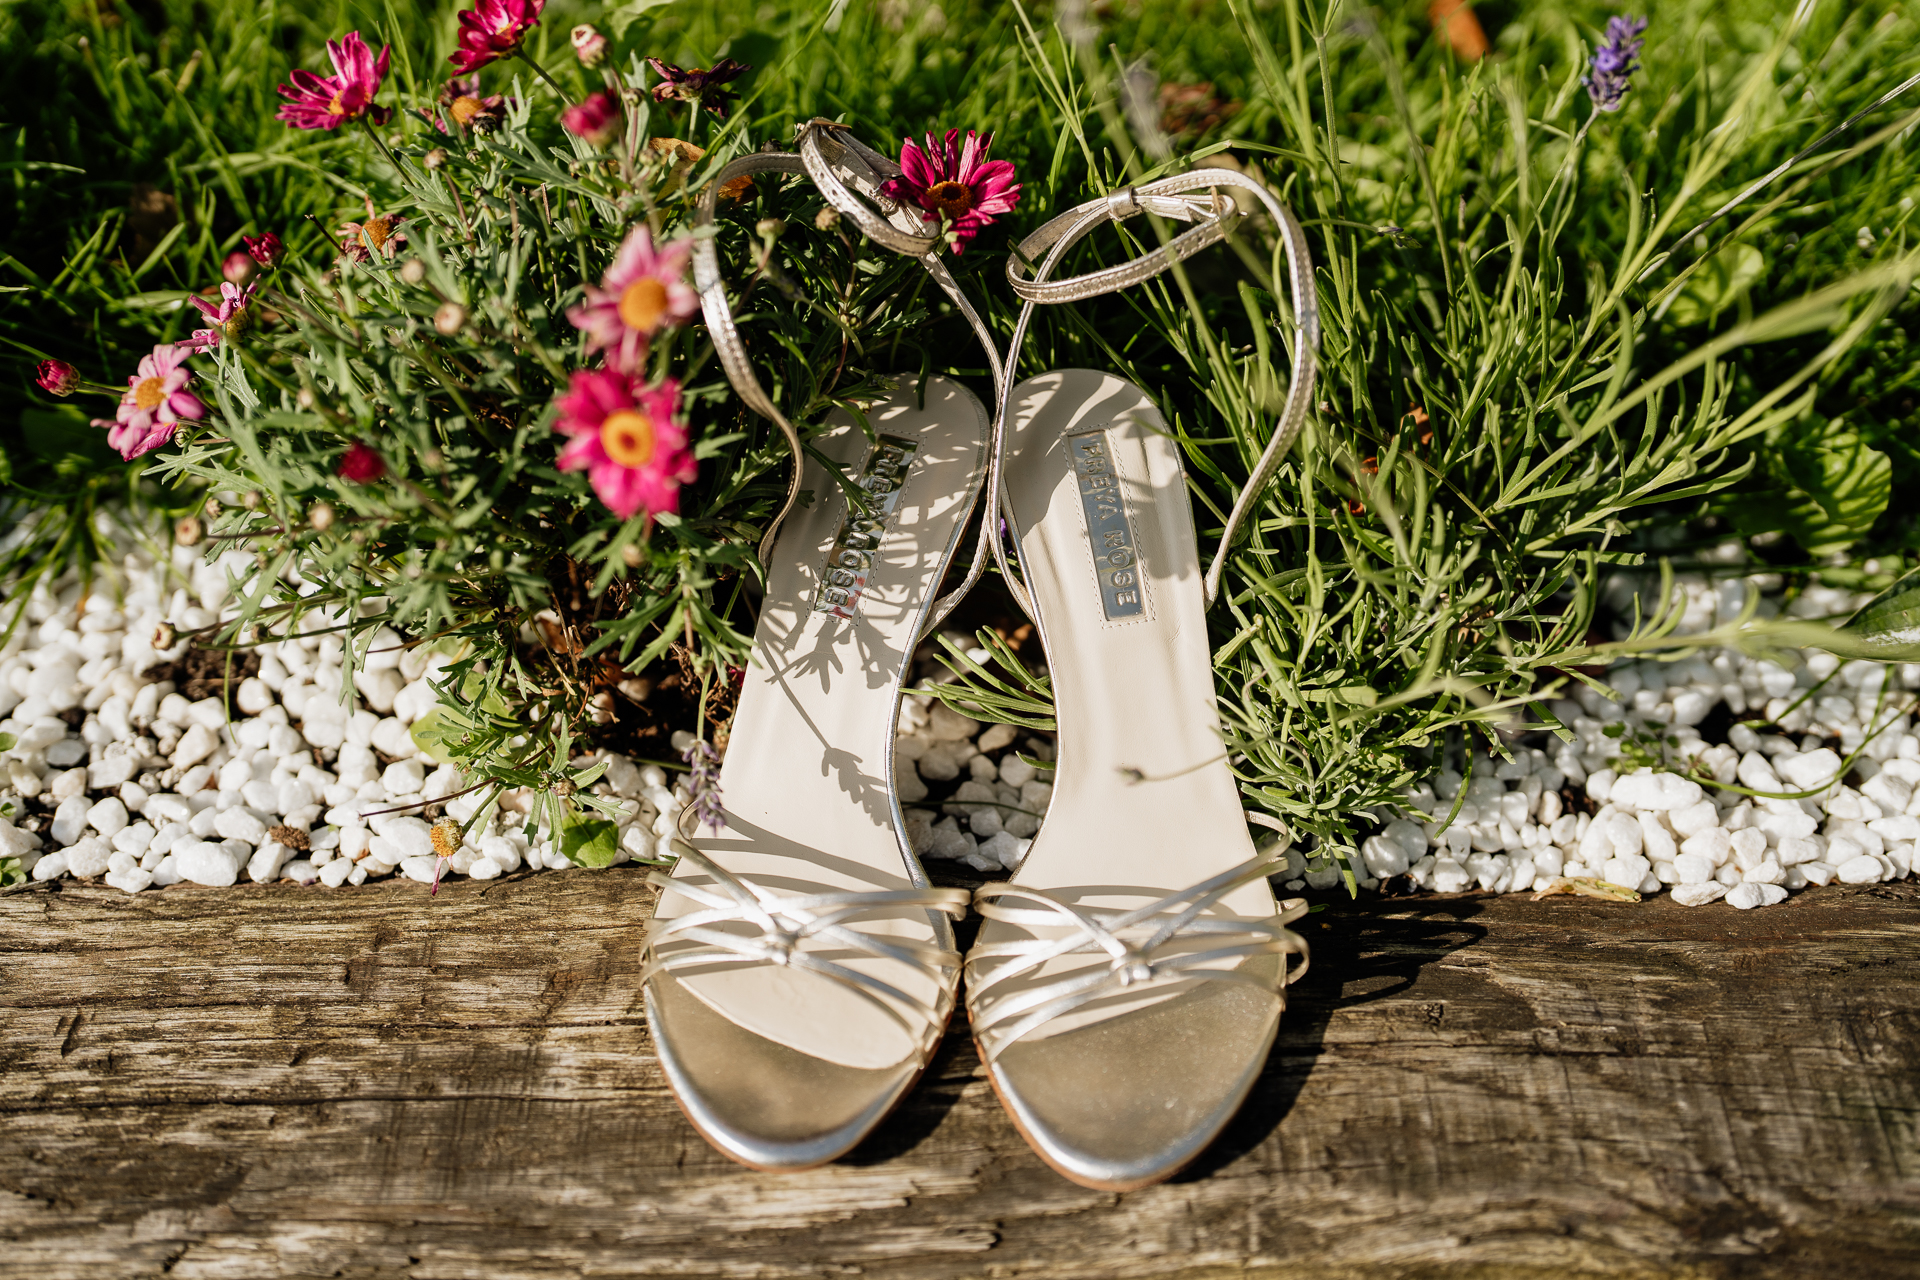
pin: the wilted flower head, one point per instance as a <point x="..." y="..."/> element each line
<point x="701" y="85"/>
<point x="58" y="377"/>
<point x="327" y="102"/>
<point x="598" y="120"/>
<point x="360" y="464"/>
<point x="626" y="437"/>
<point x="955" y="183"/>
<point x="493" y="29"/>
<point x="229" y="316"/>
<point x="462" y="102"/>
<point x="155" y="402"/>
<point x="378" y="236"/>
<point x="1614" y="63"/>
<point x="265" y="249"/>
<point x="589" y="45"/>
<point x="642" y="293"/>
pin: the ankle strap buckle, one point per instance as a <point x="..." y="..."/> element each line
<point x="1122" y="204"/>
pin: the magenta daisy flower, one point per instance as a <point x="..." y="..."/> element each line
<point x="643" y="292"/>
<point x="155" y="402"/>
<point x="327" y="102"/>
<point x="493" y="29"/>
<point x="229" y="316"/>
<point x="955" y="184"/>
<point x="624" y="435"/>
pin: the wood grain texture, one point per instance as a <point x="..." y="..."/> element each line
<point x="372" y="1083"/>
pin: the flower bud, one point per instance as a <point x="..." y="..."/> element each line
<point x="320" y="516"/>
<point x="450" y="318"/>
<point x="827" y="219"/>
<point x="770" y="227"/>
<point x="630" y="555"/>
<point x="58" y="377"/>
<point x="361" y="465"/>
<point x="188" y="531"/>
<point x="433" y="460"/>
<point x="413" y="272"/>
<point x="598" y="120"/>
<point x="435" y="158"/>
<point x="239" y="267"/>
<point x="213" y="506"/>
<point x="563" y="788"/>
<point x="304" y="397"/>
<point x="164" y="636"/>
<point x="589" y="45"/>
<point x="265" y="250"/>
<point x="253" y="499"/>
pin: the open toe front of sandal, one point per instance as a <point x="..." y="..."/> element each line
<point x="758" y="1101"/>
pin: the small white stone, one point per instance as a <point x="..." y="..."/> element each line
<point x="134" y="839"/>
<point x="1014" y="771"/>
<point x="485" y="869"/>
<point x="89" y="857"/>
<point x="1694" y="868"/>
<point x="335" y="873"/>
<point x="204" y="862"/>
<point x="1694" y="819"/>
<point x="1820" y="873"/>
<point x="421" y="869"/>
<point x="996" y="736"/>
<point x="403" y="778"/>
<point x="196" y="744"/>
<point x="1623" y="833"/>
<point x="1795" y="850"/>
<point x="131" y="880"/>
<point x="1768" y="872"/>
<point x="1626" y="870"/>
<point x="264" y="866"/>
<point x="1864" y="869"/>
<point x="1448" y="876"/>
<point x="1746" y="896"/>
<point x="51" y="867"/>
<point x="69" y="820"/>
<point x="391" y="737"/>
<point x="1698" y="895"/>
<point x="1749" y="847"/>
<point x="108" y="817"/>
<point x="240" y="824"/>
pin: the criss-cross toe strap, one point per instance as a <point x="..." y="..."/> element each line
<point x="1216" y="216"/>
<point x="1148" y="946"/>
<point x="796" y="930"/>
<point x="852" y="177"/>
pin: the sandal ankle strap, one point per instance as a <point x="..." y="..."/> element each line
<point x="1216" y="217"/>
<point x="725" y="334"/>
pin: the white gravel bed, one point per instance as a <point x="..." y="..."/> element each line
<point x="1838" y="787"/>
<point x="116" y="776"/>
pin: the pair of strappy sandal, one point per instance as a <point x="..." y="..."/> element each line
<point x="1128" y="982"/>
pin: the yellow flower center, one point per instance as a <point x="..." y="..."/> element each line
<point x="643" y="304"/>
<point x="950" y="198"/>
<point x="337" y="107"/>
<point x="374" y="232"/>
<point x="148" y="393"/>
<point x="627" y="436"/>
<point x="464" y="109"/>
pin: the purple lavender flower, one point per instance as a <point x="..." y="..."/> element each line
<point x="703" y="784"/>
<point x="1614" y="63"/>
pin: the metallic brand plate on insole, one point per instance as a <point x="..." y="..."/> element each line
<point x="849" y="565"/>
<point x="1115" y="560"/>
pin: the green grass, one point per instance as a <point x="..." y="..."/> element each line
<point x="1587" y="389"/>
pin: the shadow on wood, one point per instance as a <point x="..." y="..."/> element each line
<point x="373" y="1083"/>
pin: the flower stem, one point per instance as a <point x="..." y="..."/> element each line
<point x="381" y="143"/>
<point x="553" y="84"/>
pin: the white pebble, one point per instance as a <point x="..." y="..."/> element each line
<point x="1698" y="895"/>
<point x="204" y="862"/>
<point x="240" y="824"/>
<point x="108" y="817"/>
<point x="1864" y="869"/>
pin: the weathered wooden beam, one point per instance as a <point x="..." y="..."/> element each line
<point x="269" y="1082"/>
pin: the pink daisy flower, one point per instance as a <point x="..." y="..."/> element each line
<point x="229" y="316"/>
<point x="327" y="102"/>
<point x="955" y="184"/>
<point x="624" y="435"/>
<point x="643" y="292"/>
<point x="156" y="401"/>
<point x="493" y="29"/>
